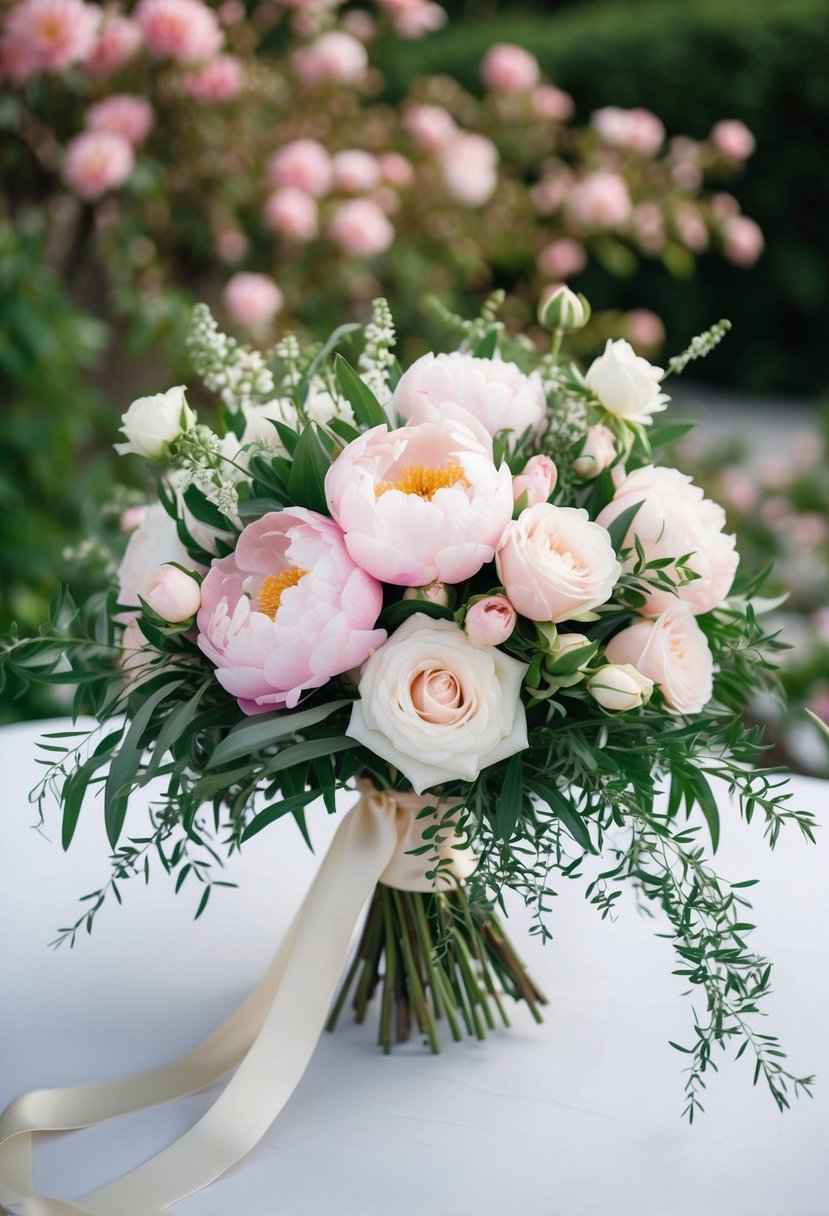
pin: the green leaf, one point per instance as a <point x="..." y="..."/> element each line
<point x="255" y="508"/>
<point x="619" y="528"/>
<point x="172" y="730"/>
<point x="76" y="784"/>
<point x="510" y="805"/>
<point x="125" y="763"/>
<point x="342" y="331"/>
<point x="306" y="483"/>
<point x="288" y="806"/>
<point x="488" y="345"/>
<point x="205" y="511"/>
<point x="704" y="796"/>
<point x="393" y="616"/>
<point x="367" y="409"/>
<point x="565" y="811"/>
<point x="250" y="737"/>
<point x="666" y="433"/>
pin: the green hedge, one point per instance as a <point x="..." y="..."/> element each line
<point x="693" y="62"/>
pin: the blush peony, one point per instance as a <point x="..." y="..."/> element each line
<point x="287" y="611"/>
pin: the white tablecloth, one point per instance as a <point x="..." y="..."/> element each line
<point x="578" y="1117"/>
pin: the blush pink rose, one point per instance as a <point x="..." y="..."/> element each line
<point x="287" y="611"/>
<point x="421" y="503"/>
<point x="509" y="69"/>
<point x="671" y="651"/>
<point x="118" y="40"/>
<point x="360" y="228"/>
<point x="733" y="140"/>
<point x="601" y="200"/>
<point x="253" y="300"/>
<point x="355" y="171"/>
<point x="124" y="115"/>
<point x="597" y="454"/>
<point x="334" y="58"/>
<point x="556" y="564"/>
<point x="676" y="519"/>
<point x="494" y="391"/>
<point x="470" y="169"/>
<point x="49" y="35"/>
<point x="219" y="80"/>
<point x="186" y="30"/>
<point x="95" y="162"/>
<point x="292" y="213"/>
<point x="490" y="620"/>
<point x="536" y="481"/>
<point x="431" y="127"/>
<point x="303" y="164"/>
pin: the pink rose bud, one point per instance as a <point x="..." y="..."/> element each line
<point x="172" y="594"/>
<point x="360" y="228"/>
<point x="509" y="69"/>
<point x="292" y="213"/>
<point x="97" y="161"/>
<point x="733" y="140"/>
<point x="537" y="480"/>
<point x="252" y="300"/>
<point x="432" y="593"/>
<point x="598" y="453"/>
<point x="490" y="621"/>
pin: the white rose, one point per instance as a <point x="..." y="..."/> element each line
<point x="619" y="688"/>
<point x="675" y="519"/>
<point x="673" y="652"/>
<point x="172" y="594"/>
<point x="625" y="383"/>
<point x="151" y="424"/>
<point x="154" y="542"/>
<point x="438" y="707"/>
<point x="494" y="391"/>
<point x="555" y="564"/>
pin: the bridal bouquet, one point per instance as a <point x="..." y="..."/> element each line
<point x="469" y="590"/>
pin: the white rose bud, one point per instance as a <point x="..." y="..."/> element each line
<point x="597" y="454"/>
<point x="626" y="384"/>
<point x="564" y="309"/>
<point x="151" y="424"/>
<point x="172" y="594"/>
<point x="619" y="687"/>
<point x="432" y="593"/>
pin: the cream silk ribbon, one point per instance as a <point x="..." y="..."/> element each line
<point x="271" y="1037"/>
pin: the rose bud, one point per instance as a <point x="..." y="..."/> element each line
<point x="536" y="481"/>
<point x="432" y="593"/>
<point x="172" y="594"/>
<point x="597" y="454"/>
<point x="490" y="621"/>
<point x="619" y="687"/>
<point x="564" y="309"/>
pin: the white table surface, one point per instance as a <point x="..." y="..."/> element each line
<point x="578" y="1117"/>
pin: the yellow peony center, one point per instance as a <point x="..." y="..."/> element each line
<point x="423" y="481"/>
<point x="274" y="585"/>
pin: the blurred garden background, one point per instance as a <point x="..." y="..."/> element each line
<point x="289" y="160"/>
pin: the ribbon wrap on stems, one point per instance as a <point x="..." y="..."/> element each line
<point x="269" y="1040"/>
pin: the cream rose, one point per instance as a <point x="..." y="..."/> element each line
<point x="438" y="707"/>
<point x="619" y="687"/>
<point x="555" y="564"/>
<point x="151" y="424"/>
<point x="672" y="651"/>
<point x="626" y="384"/>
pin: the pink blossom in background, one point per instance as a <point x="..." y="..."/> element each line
<point x="808" y="529"/>
<point x="724" y="205"/>
<point x="48" y="36"/>
<point x="124" y="115"/>
<point x="687" y="174"/>
<point x="742" y="240"/>
<point x="232" y="12"/>
<point x="413" y="18"/>
<point x="252" y="300"/>
<point x="186" y="30"/>
<point x="355" y="171"/>
<point x="820" y="620"/>
<point x="562" y="259"/>
<point x="550" y="102"/>
<point x="549" y="194"/>
<point x="387" y="200"/>
<point x="737" y="488"/>
<point x="303" y="164"/>
<point x="118" y="40"/>
<point x="218" y="80"/>
<point x="649" y="227"/>
<point x="775" y="512"/>
<point x="292" y="213"/>
<point x="691" y="228"/>
<point x="636" y="130"/>
<point x="807" y="449"/>
<point x="644" y="328"/>
<point x="395" y="169"/>
<point x="733" y="140"/>
<point x="359" y="24"/>
<point x="95" y="162"/>
<point x="509" y="69"/>
<point x="132" y="518"/>
<point x="470" y="169"/>
<point x="287" y="611"/>
<point x="600" y="201"/>
<point x="431" y="127"/>
<point x="360" y="228"/>
<point x="232" y="244"/>
<point x="335" y="57"/>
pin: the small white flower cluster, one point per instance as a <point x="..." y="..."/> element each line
<point x="239" y="375"/>
<point x="376" y="360"/>
<point x="288" y="351"/>
<point x="701" y="346"/>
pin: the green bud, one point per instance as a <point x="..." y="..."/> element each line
<point x="564" y="309"/>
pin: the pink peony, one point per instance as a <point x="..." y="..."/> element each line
<point x="470" y="169"/>
<point x="671" y="651"/>
<point x="550" y="102"/>
<point x="742" y="240"/>
<point x="292" y="213"/>
<point x="218" y="80"/>
<point x="360" y="228"/>
<point x="562" y="259"/>
<point x="421" y="503"/>
<point x="124" y="115"/>
<point x="95" y="162"/>
<point x="334" y="58"/>
<point x="287" y="611"/>
<point x="355" y="171"/>
<point x="600" y="201"/>
<point x="253" y="300"/>
<point x="186" y="30"/>
<point x="48" y="36"/>
<point x="495" y="392"/>
<point x="509" y="69"/>
<point x="431" y="127"/>
<point x="118" y="40"/>
<point x="634" y="130"/>
<point x="303" y="164"/>
<point x="733" y="140"/>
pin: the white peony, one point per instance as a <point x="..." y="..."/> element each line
<point x="438" y="707"/>
<point x="151" y="424"/>
<point x="626" y="384"/>
<point x="673" y="652"/>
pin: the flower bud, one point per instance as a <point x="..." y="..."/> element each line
<point x="564" y="309"/>
<point x="536" y="481"/>
<point x="619" y="687"/>
<point x="432" y="593"/>
<point x="490" y="620"/>
<point x="597" y="453"/>
<point x="172" y="594"/>
<point x="563" y="667"/>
